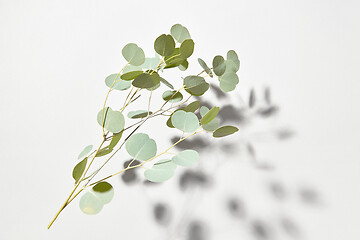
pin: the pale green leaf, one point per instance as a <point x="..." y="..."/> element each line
<point x="233" y="57"/>
<point x="85" y="151"/>
<point x="141" y="147"/>
<point x="112" y="121"/>
<point x="185" y="121"/>
<point x="172" y="96"/>
<point x="133" y="54"/>
<point x="213" y="124"/>
<point x="115" y="82"/>
<point x="205" y="67"/>
<point x="166" y="83"/>
<point x="186" y="158"/>
<point x="90" y="203"/>
<point x="138" y="114"/>
<point x="160" y="171"/>
<point x="228" y="81"/>
<point x="210" y="115"/>
<point x="184" y="65"/>
<point x="180" y="33"/>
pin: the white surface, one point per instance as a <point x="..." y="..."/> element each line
<point x="54" y="56"/>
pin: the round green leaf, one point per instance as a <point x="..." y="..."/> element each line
<point x="186" y="158"/>
<point x="179" y="32"/>
<point x="205" y="67"/>
<point x="161" y="171"/>
<point x="228" y="81"/>
<point x="186" y="48"/>
<point x="204" y="110"/>
<point x="233" y="57"/>
<point x="185" y="121"/>
<point x="104" y="191"/>
<point x="146" y="80"/>
<point x="219" y="65"/>
<point x="151" y="63"/>
<point x="210" y="115"/>
<point x="116" y="82"/>
<point x="172" y="96"/>
<point x="131" y="68"/>
<point x="224" y="131"/>
<point x="85" y="151"/>
<point x="192" y="107"/>
<point x="141" y="147"/>
<point x="164" y="45"/>
<point x="130" y="75"/>
<point x="133" y="54"/>
<point x="195" y="85"/>
<point x="113" y="120"/>
<point x="79" y="170"/>
<point x="90" y="203"/>
<point x="138" y="114"/>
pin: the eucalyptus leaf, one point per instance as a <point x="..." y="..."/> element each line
<point x="79" y="170"/>
<point x="138" y="114"/>
<point x="141" y="147"/>
<point x="186" y="48"/>
<point x="219" y="65"/>
<point x="113" y="120"/>
<point x="195" y="85"/>
<point x="166" y="83"/>
<point x="186" y="158"/>
<point x="233" y="57"/>
<point x="164" y="45"/>
<point x="151" y="63"/>
<point x="185" y="121"/>
<point x="145" y="80"/>
<point x="104" y="151"/>
<point x="184" y="65"/>
<point x="228" y="81"/>
<point x="224" y="131"/>
<point x="192" y="107"/>
<point x="205" y="67"/>
<point x="85" y="151"/>
<point x="172" y="96"/>
<point x="180" y="33"/>
<point x="133" y="54"/>
<point x="160" y="171"/>
<point x="90" y="203"/>
<point x="131" y="68"/>
<point x="130" y="75"/>
<point x="115" y="139"/>
<point x="210" y="115"/>
<point x="213" y="124"/>
<point x="115" y="82"/>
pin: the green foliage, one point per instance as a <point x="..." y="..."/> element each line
<point x="209" y="116"/>
<point x="133" y="54"/>
<point x="161" y="171"/>
<point x="186" y="48"/>
<point x="213" y="124"/>
<point x="164" y="45"/>
<point x="195" y="85"/>
<point x="225" y="131"/>
<point x="85" y="151"/>
<point x="138" y="114"/>
<point x="228" y="81"/>
<point x="113" y="121"/>
<point x="172" y="96"/>
<point x="166" y="83"/>
<point x="130" y="75"/>
<point x="185" y="121"/>
<point x="114" y="81"/>
<point x="180" y="33"/>
<point x="192" y="107"/>
<point x="219" y="65"/>
<point x="146" y="80"/>
<point x="93" y="201"/>
<point x="205" y="67"/>
<point x="186" y="158"/>
<point x="79" y="170"/>
<point x="141" y="147"/>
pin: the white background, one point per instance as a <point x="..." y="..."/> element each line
<point x="54" y="56"/>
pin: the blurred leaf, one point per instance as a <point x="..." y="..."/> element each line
<point x="138" y="114"/>
<point x="186" y="158"/>
<point x="90" y="203"/>
<point x="85" y="151"/>
<point x="205" y="67"/>
<point x="164" y="45"/>
<point x="116" y="82"/>
<point x="130" y="75"/>
<point x="195" y="85"/>
<point x="179" y="32"/>
<point x="252" y="98"/>
<point x="172" y="96"/>
<point x="113" y="120"/>
<point x="161" y="171"/>
<point x="225" y="131"/>
<point x="133" y="54"/>
<point x="141" y="147"/>
<point x="185" y="121"/>
<point x="79" y="170"/>
<point x="219" y="65"/>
